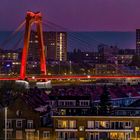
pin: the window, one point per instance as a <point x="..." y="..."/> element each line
<point x="96" y="124"/>
<point x="84" y="103"/>
<point x="104" y="124"/>
<point x="9" y="123"/>
<point x="46" y="134"/>
<point x="72" y="135"/>
<point x="116" y="136"/>
<point x="127" y="124"/>
<point x="18" y="123"/>
<point x="29" y="135"/>
<point x="9" y="134"/>
<point x="90" y="124"/>
<point x="127" y="136"/>
<point x="72" y="124"/>
<point x="19" y="135"/>
<point x="62" y="124"/>
<point x="96" y="136"/>
<point x="63" y="135"/>
<point x="60" y="135"/>
<point x="30" y="124"/>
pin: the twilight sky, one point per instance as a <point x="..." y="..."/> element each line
<point x="77" y="15"/>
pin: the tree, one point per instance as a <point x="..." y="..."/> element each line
<point x="105" y="106"/>
<point x="135" y="61"/>
<point x="8" y="91"/>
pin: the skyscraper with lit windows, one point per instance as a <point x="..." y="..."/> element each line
<point x="56" y="43"/>
<point x="55" y="46"/>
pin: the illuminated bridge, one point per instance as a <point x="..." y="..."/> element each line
<point x="36" y="19"/>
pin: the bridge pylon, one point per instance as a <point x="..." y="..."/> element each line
<point x="33" y="18"/>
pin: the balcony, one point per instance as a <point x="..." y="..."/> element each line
<point x="66" y="138"/>
<point x="109" y="129"/>
<point x="29" y="130"/>
<point x="66" y="130"/>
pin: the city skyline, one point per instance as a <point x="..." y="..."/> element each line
<point x="87" y="41"/>
<point x="69" y="70"/>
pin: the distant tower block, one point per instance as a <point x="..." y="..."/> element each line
<point x="33" y="18"/>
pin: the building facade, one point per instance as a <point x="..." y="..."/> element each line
<point x="96" y="128"/>
<point x="10" y="61"/>
<point x="23" y="123"/>
<point x="56" y="43"/>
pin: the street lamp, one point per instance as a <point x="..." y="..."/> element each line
<point x="70" y="67"/>
<point x="5" y="111"/>
<point x="136" y="132"/>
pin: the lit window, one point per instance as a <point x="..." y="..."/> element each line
<point x="30" y="135"/>
<point x="114" y="135"/>
<point x="62" y="124"/>
<point x="46" y="135"/>
<point x="104" y="124"/>
<point x="72" y="124"/>
<point x="81" y="139"/>
<point x="19" y="135"/>
<point x="128" y="124"/>
<point x="60" y="48"/>
<point x="90" y="124"/>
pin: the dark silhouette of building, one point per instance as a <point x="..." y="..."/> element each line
<point x="138" y="41"/>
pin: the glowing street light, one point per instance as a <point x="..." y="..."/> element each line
<point x="88" y="76"/>
<point x="33" y="77"/>
<point x="70" y="67"/>
<point x="136" y="132"/>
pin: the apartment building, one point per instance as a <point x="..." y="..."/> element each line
<point x="23" y="122"/>
<point x="96" y="127"/>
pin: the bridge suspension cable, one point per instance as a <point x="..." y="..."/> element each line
<point x="16" y="45"/>
<point x="72" y="35"/>
<point x="12" y="35"/>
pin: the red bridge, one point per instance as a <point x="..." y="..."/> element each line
<point x="36" y="19"/>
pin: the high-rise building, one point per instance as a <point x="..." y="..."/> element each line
<point x="33" y="54"/>
<point x="56" y="43"/>
<point x="138" y="41"/>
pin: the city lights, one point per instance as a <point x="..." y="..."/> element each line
<point x="70" y="75"/>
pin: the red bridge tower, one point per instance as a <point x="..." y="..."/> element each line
<point x="33" y="18"/>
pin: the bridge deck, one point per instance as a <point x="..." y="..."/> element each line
<point x="70" y="77"/>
